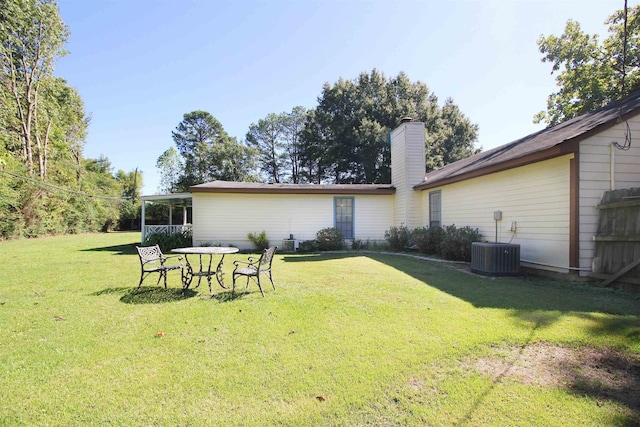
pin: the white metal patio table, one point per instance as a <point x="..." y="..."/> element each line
<point x="205" y="269"/>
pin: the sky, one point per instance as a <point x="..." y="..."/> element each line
<point x="140" y="65"/>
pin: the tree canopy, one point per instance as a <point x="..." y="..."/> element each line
<point x="346" y="138"/>
<point x="207" y="153"/>
<point x="46" y="184"/>
<point x="277" y="141"/>
<point x="590" y="73"/>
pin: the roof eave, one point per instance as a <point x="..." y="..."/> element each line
<point x="280" y="190"/>
<point x="550" y="153"/>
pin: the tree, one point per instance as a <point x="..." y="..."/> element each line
<point x="591" y="74"/>
<point x="32" y="37"/>
<point x="448" y="138"/>
<point x="170" y="166"/>
<point x="208" y="152"/>
<point x="46" y="186"/>
<point x="314" y="161"/>
<point x="234" y="162"/>
<point x="293" y="125"/>
<point x="346" y="138"/>
<point x="130" y="206"/>
<point x="267" y="138"/>
<point x="195" y="138"/>
<point x="276" y="139"/>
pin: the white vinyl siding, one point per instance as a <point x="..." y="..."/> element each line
<point x="228" y="218"/>
<point x="595" y="177"/>
<point x="534" y="197"/>
<point x="407" y="170"/>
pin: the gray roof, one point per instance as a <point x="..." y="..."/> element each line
<point x="256" y="187"/>
<point x="548" y="140"/>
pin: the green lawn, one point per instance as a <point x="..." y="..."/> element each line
<point x="346" y="339"/>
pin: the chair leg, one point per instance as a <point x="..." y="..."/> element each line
<point x="164" y="273"/>
<point x="271" y="278"/>
<point x="259" y="285"/>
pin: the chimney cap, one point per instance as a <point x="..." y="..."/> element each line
<point x="406" y="119"/>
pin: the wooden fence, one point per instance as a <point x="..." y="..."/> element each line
<point x="617" y="251"/>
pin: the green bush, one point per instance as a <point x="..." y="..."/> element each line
<point x="398" y="237"/>
<point x="259" y="240"/>
<point x="166" y="242"/>
<point x="369" y="245"/>
<point x="427" y="240"/>
<point x="308" y="246"/>
<point x="456" y="242"/>
<point x="330" y="239"/>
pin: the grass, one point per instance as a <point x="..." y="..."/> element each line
<point x="346" y="339"/>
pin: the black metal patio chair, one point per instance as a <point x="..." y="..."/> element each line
<point x="152" y="260"/>
<point x="254" y="268"/>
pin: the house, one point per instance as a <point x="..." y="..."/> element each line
<point x="546" y="186"/>
<point x="544" y="189"/>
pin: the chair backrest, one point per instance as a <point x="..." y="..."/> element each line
<point x="149" y="253"/>
<point x="267" y="257"/>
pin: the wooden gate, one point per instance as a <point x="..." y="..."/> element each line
<point x="617" y="251"/>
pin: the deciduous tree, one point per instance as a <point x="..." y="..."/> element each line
<point x="346" y="138"/>
<point x="32" y="36"/>
<point x="170" y="166"/>
<point x="590" y="74"/>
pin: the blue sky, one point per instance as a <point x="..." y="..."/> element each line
<point x="140" y="65"/>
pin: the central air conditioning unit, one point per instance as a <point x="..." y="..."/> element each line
<point x="288" y="245"/>
<point x="495" y="259"/>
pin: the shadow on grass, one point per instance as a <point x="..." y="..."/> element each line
<point x="311" y="257"/>
<point x="537" y="303"/>
<point x="109" y="291"/>
<point x="127" y="249"/>
<point x="606" y="374"/>
<point x="148" y="294"/>
<point x="522" y="294"/>
<point x="228" y="296"/>
<point x="621" y="384"/>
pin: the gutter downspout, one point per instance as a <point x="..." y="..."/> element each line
<point x="612" y="167"/>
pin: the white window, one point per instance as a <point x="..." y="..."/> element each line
<point x="435" y="209"/>
<point x="343" y="214"/>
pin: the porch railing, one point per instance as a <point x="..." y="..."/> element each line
<point x="165" y="228"/>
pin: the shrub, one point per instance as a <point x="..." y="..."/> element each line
<point x="456" y="242"/>
<point x="378" y="245"/>
<point x="330" y="239"/>
<point x="259" y="240"/>
<point x="166" y="242"/>
<point x="357" y="245"/>
<point x="428" y="240"/>
<point x="308" y="246"/>
<point x="369" y="245"/>
<point x="397" y="237"/>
